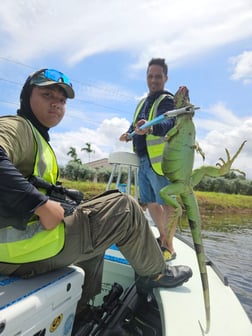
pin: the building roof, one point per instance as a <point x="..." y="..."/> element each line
<point x="102" y="163"/>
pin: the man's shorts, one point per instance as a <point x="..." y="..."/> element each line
<point x="150" y="183"/>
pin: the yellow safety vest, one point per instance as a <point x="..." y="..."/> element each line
<point x="35" y="243"/>
<point x="155" y="144"/>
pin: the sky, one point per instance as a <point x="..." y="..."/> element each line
<point x="104" y="48"/>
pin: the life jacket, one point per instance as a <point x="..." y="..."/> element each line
<point x="155" y="144"/>
<point x="35" y="243"/>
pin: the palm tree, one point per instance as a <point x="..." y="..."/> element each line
<point x="72" y="153"/>
<point x="88" y="150"/>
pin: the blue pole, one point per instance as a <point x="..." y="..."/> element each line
<point x="168" y="114"/>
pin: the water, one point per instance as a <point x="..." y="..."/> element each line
<point x="228" y="244"/>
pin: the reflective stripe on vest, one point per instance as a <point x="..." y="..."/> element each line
<point x="34" y="243"/>
<point x="155" y="144"/>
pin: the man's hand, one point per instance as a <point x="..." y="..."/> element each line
<point x="139" y="124"/>
<point x="50" y="214"/>
<point x="124" y="137"/>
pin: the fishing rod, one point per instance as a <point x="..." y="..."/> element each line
<point x="168" y="114"/>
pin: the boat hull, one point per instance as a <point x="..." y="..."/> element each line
<point x="182" y="308"/>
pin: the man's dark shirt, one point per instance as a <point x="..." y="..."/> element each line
<point x="167" y="104"/>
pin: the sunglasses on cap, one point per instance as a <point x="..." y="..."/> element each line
<point x="47" y="77"/>
<point x="57" y="76"/>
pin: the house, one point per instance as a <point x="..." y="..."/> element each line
<point x="102" y="163"/>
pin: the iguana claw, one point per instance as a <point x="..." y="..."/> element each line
<point x="225" y="167"/>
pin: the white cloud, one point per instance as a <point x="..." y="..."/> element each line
<point x="79" y="29"/>
<point x="242" y="67"/>
<point x="104" y="140"/>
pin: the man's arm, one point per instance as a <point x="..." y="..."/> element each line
<point x="18" y="197"/>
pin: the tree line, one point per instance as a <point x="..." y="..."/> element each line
<point x="75" y="170"/>
<point x="228" y="184"/>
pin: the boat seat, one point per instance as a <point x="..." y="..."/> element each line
<point x="40" y="305"/>
<point x="121" y="161"/>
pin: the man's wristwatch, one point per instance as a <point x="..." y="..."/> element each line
<point x="150" y="130"/>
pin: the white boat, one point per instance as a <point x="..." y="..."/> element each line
<point x="46" y="305"/>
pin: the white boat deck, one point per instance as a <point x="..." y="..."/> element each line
<point x="185" y="304"/>
<point x="183" y="307"/>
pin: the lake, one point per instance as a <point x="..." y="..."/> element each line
<point x="228" y="244"/>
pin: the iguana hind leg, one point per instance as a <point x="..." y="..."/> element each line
<point x="168" y="195"/>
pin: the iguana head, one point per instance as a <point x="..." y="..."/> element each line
<point x="181" y="97"/>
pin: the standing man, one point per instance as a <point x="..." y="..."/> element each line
<point x="148" y="144"/>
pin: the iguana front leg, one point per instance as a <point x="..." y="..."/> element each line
<point x="222" y="168"/>
<point x="199" y="150"/>
<point x="172" y="132"/>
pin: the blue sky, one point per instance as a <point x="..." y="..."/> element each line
<point x="104" y="47"/>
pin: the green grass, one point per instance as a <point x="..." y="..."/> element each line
<point x="220" y="201"/>
<point x="206" y="200"/>
<point x="89" y="189"/>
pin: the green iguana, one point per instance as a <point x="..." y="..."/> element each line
<point x="177" y="165"/>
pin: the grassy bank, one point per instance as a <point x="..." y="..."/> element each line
<point x="220" y="202"/>
<point x="207" y="201"/>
